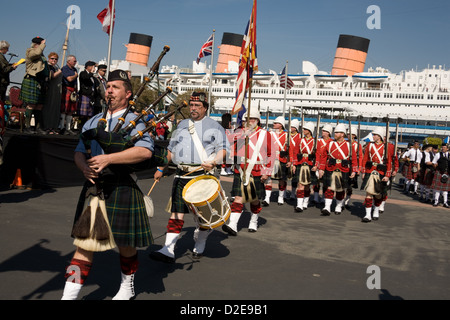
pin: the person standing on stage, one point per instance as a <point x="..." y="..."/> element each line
<point x="334" y="167"/>
<point x="305" y="167"/>
<point x="68" y="96"/>
<point x="254" y="171"/>
<point x="198" y="142"/>
<point x="376" y="172"/>
<point x="87" y="92"/>
<point x="441" y="183"/>
<point x="5" y="69"/>
<point x="279" y="146"/>
<point x="327" y="132"/>
<point x="124" y="200"/>
<point x="35" y="84"/>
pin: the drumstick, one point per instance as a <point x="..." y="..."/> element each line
<point x="154" y="183"/>
<point x="198" y="168"/>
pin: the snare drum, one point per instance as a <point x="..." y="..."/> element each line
<point x="206" y="199"/>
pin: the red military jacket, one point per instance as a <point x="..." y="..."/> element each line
<point x="374" y="155"/>
<point x="294" y="148"/>
<point x="263" y="162"/>
<point x="357" y="154"/>
<point x="279" y="144"/>
<point x="306" y="148"/>
<point x="336" y="152"/>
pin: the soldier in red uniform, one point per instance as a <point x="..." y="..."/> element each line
<point x="327" y="131"/>
<point x="356" y="152"/>
<point x="250" y="175"/>
<point x="336" y="168"/>
<point x="281" y="164"/>
<point x="376" y="173"/>
<point x="294" y="149"/>
<point x="305" y="167"/>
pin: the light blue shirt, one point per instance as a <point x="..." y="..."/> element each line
<point x="211" y="134"/>
<point x="146" y="141"/>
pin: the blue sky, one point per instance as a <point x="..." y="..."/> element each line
<point x="412" y="34"/>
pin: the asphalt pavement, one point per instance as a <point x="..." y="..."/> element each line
<point x="293" y="256"/>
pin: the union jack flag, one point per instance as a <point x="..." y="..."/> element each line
<point x="285" y="81"/>
<point x="206" y="49"/>
<point x="247" y="64"/>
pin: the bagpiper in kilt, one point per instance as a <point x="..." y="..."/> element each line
<point x="252" y="167"/>
<point x="196" y="147"/>
<point x="426" y="172"/>
<point x="305" y="167"/>
<point x="376" y="171"/>
<point x="327" y="131"/>
<point x="411" y="167"/>
<point x="334" y="166"/>
<point x="441" y="183"/>
<point x="280" y="167"/>
<point x="125" y="208"/>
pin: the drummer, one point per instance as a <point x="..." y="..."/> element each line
<point x="258" y="170"/>
<point x="196" y="147"/>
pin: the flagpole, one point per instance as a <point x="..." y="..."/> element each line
<point x="211" y="72"/>
<point x="111" y="28"/>
<point x="285" y="88"/>
<point x="66" y="40"/>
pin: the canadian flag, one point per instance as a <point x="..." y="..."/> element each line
<point x="105" y="17"/>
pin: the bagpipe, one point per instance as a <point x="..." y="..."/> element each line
<point x="120" y="139"/>
<point x="92" y="231"/>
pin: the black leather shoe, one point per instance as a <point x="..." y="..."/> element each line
<point x="265" y="203"/>
<point x="228" y="230"/>
<point x="375" y="219"/>
<point x="325" y="212"/>
<point x="196" y="255"/>
<point x="365" y="220"/>
<point x="298" y="209"/>
<point x="251" y="230"/>
<point x="158" y="256"/>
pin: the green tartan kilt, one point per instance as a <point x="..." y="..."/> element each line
<point x="237" y="183"/>
<point x="30" y="92"/>
<point x="125" y="209"/>
<point x="178" y="204"/>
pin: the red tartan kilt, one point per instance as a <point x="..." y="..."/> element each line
<point x="438" y="185"/>
<point x="409" y="174"/>
<point x="68" y="106"/>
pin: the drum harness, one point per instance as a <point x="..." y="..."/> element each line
<point x="190" y="168"/>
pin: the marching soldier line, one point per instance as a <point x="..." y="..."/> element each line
<point x="312" y="164"/>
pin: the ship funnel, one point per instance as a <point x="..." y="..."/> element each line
<point x="350" y="55"/>
<point x="138" y="48"/>
<point x="230" y="51"/>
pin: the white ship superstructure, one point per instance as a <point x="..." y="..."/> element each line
<point x="418" y="97"/>
<point x="422" y="95"/>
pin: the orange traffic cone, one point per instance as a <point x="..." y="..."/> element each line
<point x="17" y="183"/>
